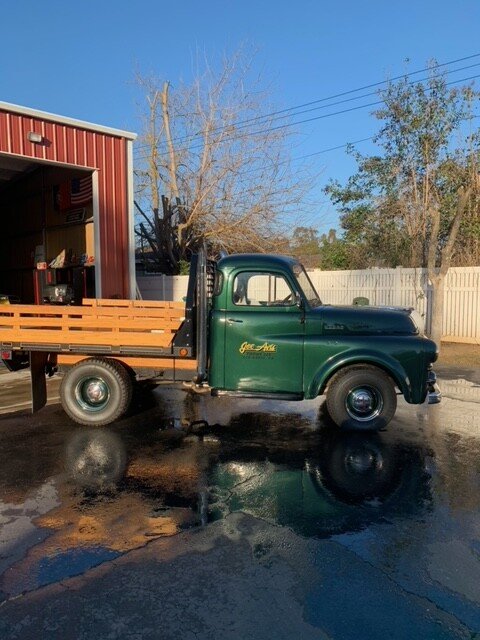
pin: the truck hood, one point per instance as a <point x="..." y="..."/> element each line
<point x="353" y="320"/>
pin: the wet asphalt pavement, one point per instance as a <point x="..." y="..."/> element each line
<point x="205" y="518"/>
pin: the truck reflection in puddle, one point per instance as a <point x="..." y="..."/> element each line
<point x="344" y="484"/>
<point x="126" y="487"/>
<point x="320" y="483"/>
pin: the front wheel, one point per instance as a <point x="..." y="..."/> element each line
<point x="361" y="398"/>
<point x="96" y="391"/>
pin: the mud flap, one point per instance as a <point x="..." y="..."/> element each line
<point x="38" y="361"/>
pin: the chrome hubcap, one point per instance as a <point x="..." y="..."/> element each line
<point x="92" y="394"/>
<point x="360" y="461"/>
<point x="364" y="403"/>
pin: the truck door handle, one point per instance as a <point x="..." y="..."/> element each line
<point x="232" y="320"/>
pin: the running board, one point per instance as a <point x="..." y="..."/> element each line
<point x="257" y="394"/>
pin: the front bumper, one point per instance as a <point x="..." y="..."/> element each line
<point x="433" y="390"/>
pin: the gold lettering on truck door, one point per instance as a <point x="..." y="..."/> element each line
<point x="247" y="348"/>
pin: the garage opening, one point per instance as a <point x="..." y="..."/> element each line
<point x="47" y="232"/>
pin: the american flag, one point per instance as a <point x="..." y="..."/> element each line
<point x="81" y="190"/>
<point x="73" y="193"/>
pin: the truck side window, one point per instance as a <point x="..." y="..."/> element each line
<point x="218" y="283"/>
<point x="259" y="289"/>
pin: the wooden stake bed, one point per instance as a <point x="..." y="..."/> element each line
<point x="135" y="327"/>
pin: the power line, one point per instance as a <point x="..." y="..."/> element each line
<point x="332" y="97"/>
<point x="315" y="118"/>
<point x="336" y="148"/>
<point x="327" y="150"/>
<point x="325" y="106"/>
<point x="365" y="95"/>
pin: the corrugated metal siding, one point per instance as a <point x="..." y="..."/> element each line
<point x="86" y="149"/>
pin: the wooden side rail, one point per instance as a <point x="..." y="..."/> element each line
<point x="115" y="323"/>
<point x="132" y="304"/>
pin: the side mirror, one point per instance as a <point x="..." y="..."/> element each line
<point x="298" y="300"/>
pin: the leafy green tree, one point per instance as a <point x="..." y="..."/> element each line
<point x="335" y="253"/>
<point x="305" y="244"/>
<point x="407" y="204"/>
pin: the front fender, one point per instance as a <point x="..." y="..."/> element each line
<point x="359" y="356"/>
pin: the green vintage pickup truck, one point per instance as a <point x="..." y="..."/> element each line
<point x="271" y="336"/>
<point x="254" y="327"/>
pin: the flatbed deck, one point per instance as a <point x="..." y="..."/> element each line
<point x="98" y="326"/>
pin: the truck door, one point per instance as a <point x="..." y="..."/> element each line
<point x="264" y="335"/>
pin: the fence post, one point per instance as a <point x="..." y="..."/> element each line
<point x="397" y="287"/>
<point x="429" y="295"/>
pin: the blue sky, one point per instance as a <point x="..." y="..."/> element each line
<point x="78" y="59"/>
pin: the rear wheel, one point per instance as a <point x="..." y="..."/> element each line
<point x="362" y="398"/>
<point x="96" y="391"/>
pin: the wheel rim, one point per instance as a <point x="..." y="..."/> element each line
<point x="364" y="403"/>
<point x="360" y="462"/>
<point x="92" y="394"/>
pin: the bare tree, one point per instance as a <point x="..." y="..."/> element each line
<point x="223" y="167"/>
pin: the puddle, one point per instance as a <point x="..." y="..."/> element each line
<point x="346" y="483"/>
<point x="75" y="498"/>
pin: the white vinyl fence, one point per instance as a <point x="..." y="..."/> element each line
<point x="160" y="287"/>
<point x="391" y="287"/>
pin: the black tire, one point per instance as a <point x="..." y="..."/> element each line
<point x="96" y="391"/>
<point x="362" y="398"/>
<point x="359" y="467"/>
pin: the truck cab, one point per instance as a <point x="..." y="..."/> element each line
<point x="271" y="336"/>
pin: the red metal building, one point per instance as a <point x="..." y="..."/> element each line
<point x="40" y="153"/>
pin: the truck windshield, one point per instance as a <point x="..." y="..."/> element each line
<point x="306" y="285"/>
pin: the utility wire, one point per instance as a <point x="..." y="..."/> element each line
<point x="315" y="118"/>
<point x="327" y="150"/>
<point x="365" y="95"/>
<point x="338" y="95"/>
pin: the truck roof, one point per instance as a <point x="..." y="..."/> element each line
<point x="256" y="260"/>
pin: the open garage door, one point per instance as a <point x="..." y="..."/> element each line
<point x="47" y="232"/>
